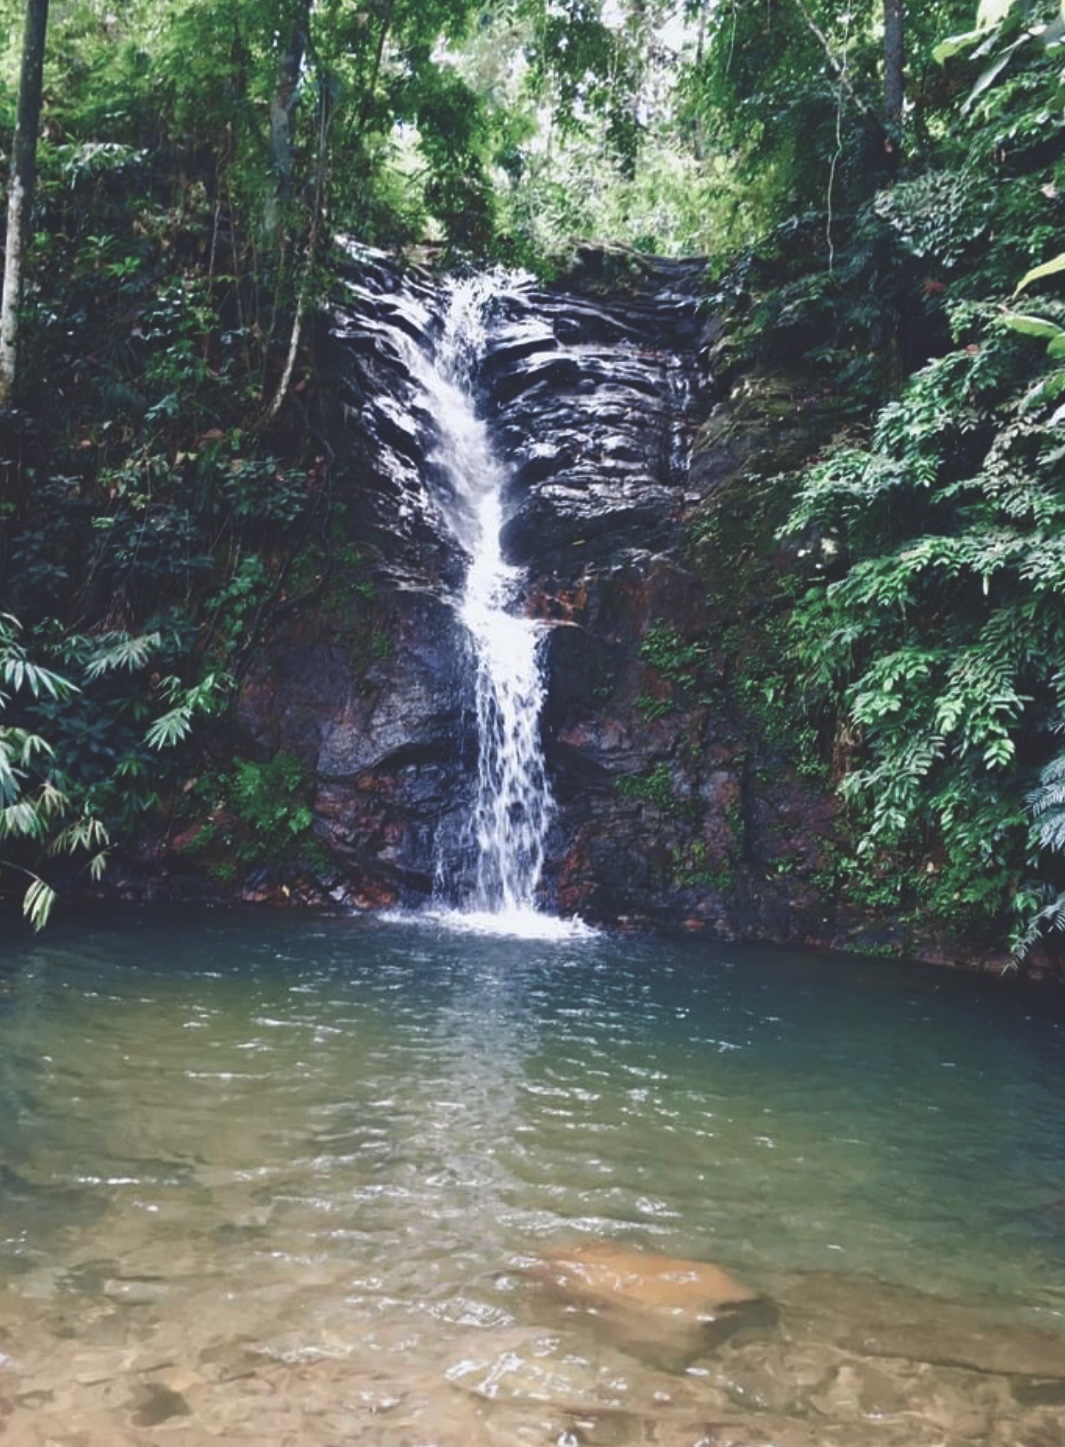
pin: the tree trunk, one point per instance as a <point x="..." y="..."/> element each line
<point x="20" y="190"/>
<point x="282" y="104"/>
<point x="366" y="109"/>
<point x="894" y="58"/>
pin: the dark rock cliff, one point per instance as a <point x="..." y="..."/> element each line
<point x="640" y="511"/>
<point x="641" y="504"/>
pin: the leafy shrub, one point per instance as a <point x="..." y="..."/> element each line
<point x="655" y="787"/>
<point x="77" y="760"/>
<point x="258" y="813"/>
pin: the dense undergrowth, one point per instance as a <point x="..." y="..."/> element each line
<point x="149" y="510"/>
<point x="928" y="643"/>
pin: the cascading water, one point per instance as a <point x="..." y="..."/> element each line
<point x="513" y="806"/>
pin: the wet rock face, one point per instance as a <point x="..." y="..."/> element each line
<point x="589" y="398"/>
<point x="592" y="401"/>
<point x="381" y="735"/>
<point x="622" y="447"/>
<point x="636" y="506"/>
<point x="368" y="688"/>
<point x="383" y="431"/>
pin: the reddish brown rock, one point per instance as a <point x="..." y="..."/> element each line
<point x="664" y="1310"/>
<point x="609" y="1272"/>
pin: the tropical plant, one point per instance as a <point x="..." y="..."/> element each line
<point x="935" y="630"/>
<point x="35" y="809"/>
<point x="76" y="765"/>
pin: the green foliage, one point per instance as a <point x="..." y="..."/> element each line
<point x="792" y="92"/>
<point x="936" y="635"/>
<point x="75" y="766"/>
<point x="206" y="697"/>
<point x="651" y="707"/>
<point x="455" y="141"/>
<point x="184" y="182"/>
<point x="258" y="814"/>
<point x="1047" y="805"/>
<point x="34" y="809"/>
<point x="674" y="658"/>
<point x="654" y="787"/>
<point x="583" y="101"/>
<point x="693" y="866"/>
<point x="266" y="798"/>
<point x="678" y="663"/>
<point x="850" y="303"/>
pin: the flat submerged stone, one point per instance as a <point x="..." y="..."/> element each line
<point x="622" y="1275"/>
<point x="876" y="1319"/>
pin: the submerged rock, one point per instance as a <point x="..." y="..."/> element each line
<point x="665" y="1310"/>
<point x="607" y="1271"/>
<point x="875" y="1319"/>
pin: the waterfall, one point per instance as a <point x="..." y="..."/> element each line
<point x="513" y="805"/>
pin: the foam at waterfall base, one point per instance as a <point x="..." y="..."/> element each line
<point x="519" y="923"/>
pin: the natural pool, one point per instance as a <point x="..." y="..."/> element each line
<point x="287" y="1182"/>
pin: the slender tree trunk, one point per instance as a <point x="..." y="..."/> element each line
<point x="366" y="109"/>
<point x="282" y="104"/>
<point x="839" y="66"/>
<point x="894" y="59"/>
<point x="20" y="190"/>
<point x="325" y="115"/>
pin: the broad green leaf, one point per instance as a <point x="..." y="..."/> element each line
<point x="992" y="13"/>
<point x="86" y="833"/>
<point x="1047" y="389"/>
<point x="954" y="44"/>
<point x="33" y="745"/>
<point x="21" y="820"/>
<point x="1049" y="268"/>
<point x="37" y="903"/>
<point x="1031" y="326"/>
<point x="51" y="801"/>
<point x="20" y="673"/>
<point x="991" y="73"/>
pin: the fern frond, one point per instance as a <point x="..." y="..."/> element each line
<point x="37" y="902"/>
<point x="1050" y="791"/>
<point x="1050" y="919"/>
<point x="19" y="673"/>
<point x="115" y="651"/>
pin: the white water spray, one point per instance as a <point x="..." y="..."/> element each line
<point x="513" y="805"/>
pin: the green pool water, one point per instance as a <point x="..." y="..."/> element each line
<point x="266" y="1180"/>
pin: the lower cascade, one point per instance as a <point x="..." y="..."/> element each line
<point x="513" y="805"/>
